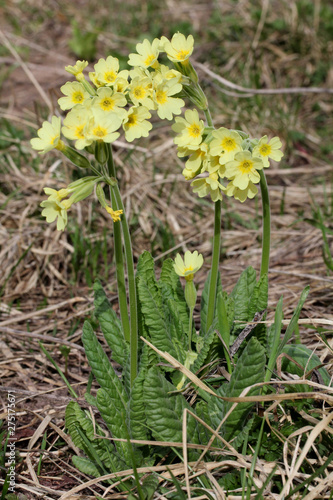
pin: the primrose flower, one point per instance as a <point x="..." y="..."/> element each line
<point x="75" y="125"/>
<point x="241" y="194"/>
<point x="108" y="101"/>
<point x="226" y="144"/>
<point x="168" y="106"/>
<point x="56" y="209"/>
<point x="189" y="129"/>
<point x="76" y="94"/>
<point x="165" y="73"/>
<point x="189" y="266"/>
<point x="265" y="150"/>
<point x="244" y="169"/>
<point x="198" y="158"/>
<point x="103" y="128"/>
<point x="208" y="185"/>
<point x="147" y="54"/>
<point x="115" y="214"/>
<point x="77" y="70"/>
<point x="179" y="48"/>
<point x="136" y="124"/>
<point x="48" y="136"/>
<point x="140" y="92"/>
<point x="106" y="71"/>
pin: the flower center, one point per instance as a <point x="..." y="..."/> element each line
<point x="79" y="132"/>
<point x="265" y="149"/>
<point x="189" y="268"/>
<point x="132" y="120"/>
<point x="182" y="54"/>
<point x="139" y="92"/>
<point x="228" y="144"/>
<point x="194" y="130"/>
<point x="161" y="97"/>
<point x="100" y="131"/>
<point x="110" y="76"/>
<point x="150" y="59"/>
<point x="245" y="166"/>
<point x="107" y="104"/>
<point x="77" y="97"/>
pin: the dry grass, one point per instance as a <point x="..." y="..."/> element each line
<point x="41" y="300"/>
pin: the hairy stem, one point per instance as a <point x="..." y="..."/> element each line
<point x="266" y="228"/>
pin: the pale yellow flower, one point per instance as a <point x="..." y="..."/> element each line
<point x="77" y="69"/>
<point x="75" y="125"/>
<point x="75" y="94"/>
<point x="197" y="161"/>
<point x="106" y="71"/>
<point x="226" y="144"/>
<point x="241" y="194"/>
<point x="167" y="106"/>
<point x="188" y="266"/>
<point x="48" y="136"/>
<point x="55" y="209"/>
<point x="179" y="48"/>
<point x="189" y="129"/>
<point x="208" y="186"/>
<point x="165" y="73"/>
<point x="136" y="124"/>
<point x="243" y="169"/>
<point x="266" y="150"/>
<point x="147" y="54"/>
<point x="140" y="92"/>
<point x="103" y="128"/>
<point x="108" y="101"/>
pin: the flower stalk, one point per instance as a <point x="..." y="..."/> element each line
<point x="266" y="228"/>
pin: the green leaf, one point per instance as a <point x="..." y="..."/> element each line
<point x="100" y="364"/>
<point x="206" y="343"/>
<point x="113" y="412"/>
<point x="242" y="294"/>
<point x="86" y="466"/>
<point x="259" y="297"/>
<point x="294" y="320"/>
<point x="110" y="325"/>
<point x="249" y="370"/>
<point x="137" y="415"/>
<point x="306" y="358"/>
<point x="150" y="485"/>
<point x="159" y="327"/>
<point x="164" y="409"/>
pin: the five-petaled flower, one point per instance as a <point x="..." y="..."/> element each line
<point x="188" y="266"/>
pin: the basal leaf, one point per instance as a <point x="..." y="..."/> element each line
<point x="110" y="325"/>
<point x="137" y="414"/>
<point x="86" y="466"/>
<point x="307" y="359"/>
<point x="249" y="370"/>
<point x="100" y="364"/>
<point x="242" y="294"/>
<point x="164" y="409"/>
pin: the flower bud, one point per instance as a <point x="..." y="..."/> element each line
<point x="75" y="157"/>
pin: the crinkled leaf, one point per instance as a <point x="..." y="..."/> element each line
<point x="100" y="364"/>
<point x="110" y="325"/>
<point x="159" y="327"/>
<point x="113" y="413"/>
<point x="242" y="294"/>
<point x="137" y="414"/>
<point x="164" y="409"/>
<point x="86" y="466"/>
<point x="249" y="370"/>
<point x="259" y="297"/>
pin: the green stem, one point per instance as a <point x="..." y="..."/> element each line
<point x="190" y="329"/>
<point x="118" y="251"/>
<point x="266" y="229"/>
<point x="131" y="277"/>
<point x="208" y="117"/>
<point x="215" y="265"/>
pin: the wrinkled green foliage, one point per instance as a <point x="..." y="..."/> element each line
<point x="153" y="408"/>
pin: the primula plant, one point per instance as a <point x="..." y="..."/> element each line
<point x="174" y="382"/>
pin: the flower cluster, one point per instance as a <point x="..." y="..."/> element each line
<point x="115" y="99"/>
<point x="222" y="153"/>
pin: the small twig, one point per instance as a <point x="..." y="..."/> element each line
<point x="239" y="88"/>
<point x="247" y="330"/>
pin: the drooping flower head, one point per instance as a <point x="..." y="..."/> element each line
<point x="48" y="136"/>
<point x="209" y="185"/>
<point x="189" y="266"/>
<point x="77" y="69"/>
